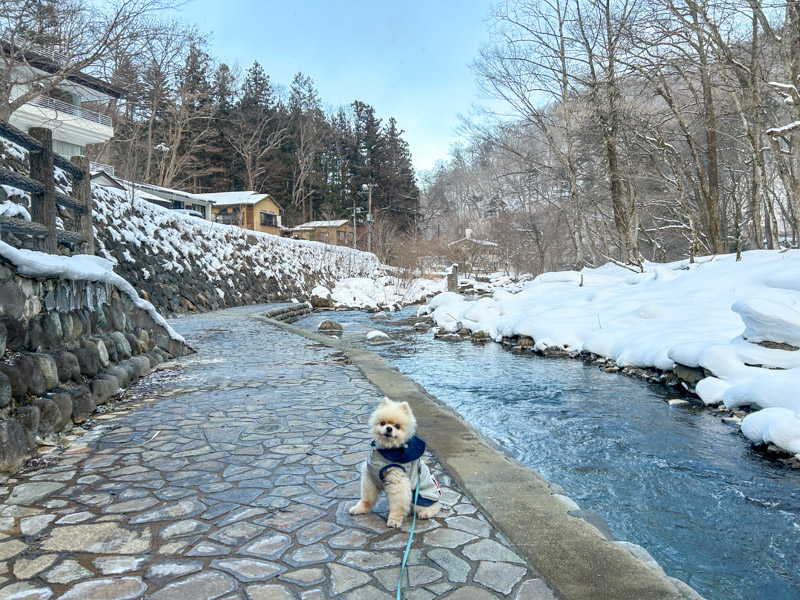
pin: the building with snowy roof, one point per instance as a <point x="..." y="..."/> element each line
<point x="474" y="255"/>
<point x="251" y="210"/>
<point x="339" y="232"/>
<point x="180" y="200"/>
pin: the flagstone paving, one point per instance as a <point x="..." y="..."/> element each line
<point x="230" y="477"/>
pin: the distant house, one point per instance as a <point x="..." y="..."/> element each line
<point x="104" y="179"/>
<point x="251" y="210"/>
<point x="338" y="232"/>
<point x="474" y="255"/>
<point x="180" y="200"/>
<point x="63" y="109"/>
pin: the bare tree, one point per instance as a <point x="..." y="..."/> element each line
<point x="530" y="67"/>
<point x="162" y="60"/>
<point x="186" y="128"/>
<point x="306" y="132"/>
<point x="43" y="44"/>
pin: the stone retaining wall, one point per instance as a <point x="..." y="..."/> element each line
<point x="290" y="313"/>
<point x="69" y="345"/>
<point x="184" y="265"/>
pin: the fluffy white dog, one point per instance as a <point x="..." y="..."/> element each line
<point x="395" y="466"/>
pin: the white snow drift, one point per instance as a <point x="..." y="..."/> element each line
<point x="388" y="292"/>
<point x="712" y="313"/>
<point x="80" y="267"/>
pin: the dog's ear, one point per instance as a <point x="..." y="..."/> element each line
<point x="386" y="402"/>
<point x="405" y="407"/>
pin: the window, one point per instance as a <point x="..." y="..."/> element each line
<point x="268" y="219"/>
<point x="340" y="236"/>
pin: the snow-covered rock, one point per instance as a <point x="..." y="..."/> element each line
<point x="376" y="338"/>
<point x="769" y="321"/>
<point x="775" y="425"/>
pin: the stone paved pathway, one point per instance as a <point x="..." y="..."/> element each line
<point x="232" y="480"/>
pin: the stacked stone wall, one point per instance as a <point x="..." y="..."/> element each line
<point x="182" y="264"/>
<point x="68" y="346"/>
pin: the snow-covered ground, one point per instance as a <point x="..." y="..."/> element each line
<point x="710" y="314"/>
<point x="386" y="292"/>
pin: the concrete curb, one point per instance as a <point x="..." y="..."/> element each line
<point x="567" y="552"/>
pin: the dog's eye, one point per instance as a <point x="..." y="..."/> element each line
<point x="383" y="423"/>
<point x="397" y="426"/>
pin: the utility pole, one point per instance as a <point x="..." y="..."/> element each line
<point x="354" y="224"/>
<point x="356" y="210"/>
<point x="367" y="187"/>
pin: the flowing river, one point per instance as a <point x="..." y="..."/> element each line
<point x="674" y="479"/>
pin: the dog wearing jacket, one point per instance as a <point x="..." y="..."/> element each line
<point x="395" y="465"/>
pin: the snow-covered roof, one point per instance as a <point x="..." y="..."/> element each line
<point x="232" y="198"/>
<point x="106" y="180"/>
<point x="474" y="241"/>
<point x="145" y="195"/>
<point x="317" y="224"/>
<point x="158" y="189"/>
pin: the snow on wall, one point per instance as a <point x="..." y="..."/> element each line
<point x="184" y="263"/>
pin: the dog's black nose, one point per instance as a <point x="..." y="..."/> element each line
<point x="388" y="429"/>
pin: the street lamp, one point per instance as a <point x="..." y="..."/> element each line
<point x="368" y="187"/>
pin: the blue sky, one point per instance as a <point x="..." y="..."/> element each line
<point x="409" y="60"/>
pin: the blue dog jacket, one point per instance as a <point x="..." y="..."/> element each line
<point x="408" y="459"/>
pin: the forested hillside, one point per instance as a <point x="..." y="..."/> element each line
<point x="629" y="130"/>
<point x="189" y="121"/>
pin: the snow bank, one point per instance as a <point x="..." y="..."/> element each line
<point x="387" y="292"/>
<point x="80" y="267"/>
<point x="708" y="314"/>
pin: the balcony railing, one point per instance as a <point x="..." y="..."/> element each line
<point x="96" y="166"/>
<point x="76" y="111"/>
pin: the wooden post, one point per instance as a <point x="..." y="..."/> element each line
<point x="82" y="192"/>
<point x="43" y="205"/>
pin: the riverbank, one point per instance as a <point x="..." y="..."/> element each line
<point x="725" y="330"/>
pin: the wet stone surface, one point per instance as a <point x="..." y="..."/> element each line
<point x="229" y="477"/>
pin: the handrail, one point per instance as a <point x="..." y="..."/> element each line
<point x="96" y="166"/>
<point x="76" y="111"/>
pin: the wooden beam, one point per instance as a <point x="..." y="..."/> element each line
<point x="82" y="191"/>
<point x="43" y="204"/>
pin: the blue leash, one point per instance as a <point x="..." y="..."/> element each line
<point x="408" y="545"/>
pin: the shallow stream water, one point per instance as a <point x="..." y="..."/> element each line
<point x="676" y="480"/>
